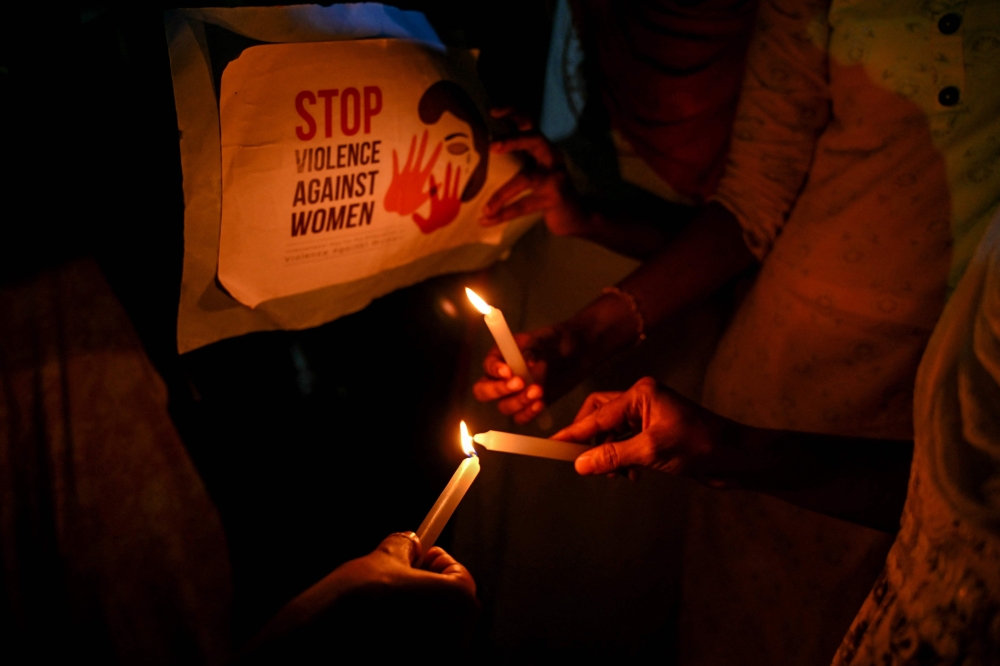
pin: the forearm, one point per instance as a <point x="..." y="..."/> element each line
<point x="283" y="634"/>
<point x="856" y="479"/>
<point x="639" y="231"/>
<point x="706" y="254"/>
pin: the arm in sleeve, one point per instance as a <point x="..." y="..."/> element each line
<point x="783" y="108"/>
<point x="956" y="420"/>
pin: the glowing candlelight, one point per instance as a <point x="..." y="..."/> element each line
<point x="529" y="446"/>
<point x="501" y="333"/>
<point x="452" y="494"/>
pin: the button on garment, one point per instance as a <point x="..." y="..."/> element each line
<point x="865" y="164"/>
<point x="864" y="198"/>
<point x="950" y="23"/>
<point x="948" y="96"/>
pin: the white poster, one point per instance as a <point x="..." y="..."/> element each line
<point x="341" y="160"/>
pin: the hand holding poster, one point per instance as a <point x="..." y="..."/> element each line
<point x="344" y="159"/>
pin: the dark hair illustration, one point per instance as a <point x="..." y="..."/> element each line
<point x="448" y="96"/>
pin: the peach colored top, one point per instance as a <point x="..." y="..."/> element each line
<point x="865" y="165"/>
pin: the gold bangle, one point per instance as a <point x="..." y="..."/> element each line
<point x="634" y="307"/>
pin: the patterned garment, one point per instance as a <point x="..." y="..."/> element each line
<point x="865" y="166"/>
<point x="938" y="599"/>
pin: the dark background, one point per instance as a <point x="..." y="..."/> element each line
<point x="314" y="444"/>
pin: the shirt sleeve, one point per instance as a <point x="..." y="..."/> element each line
<point x="956" y="421"/>
<point x="783" y="108"/>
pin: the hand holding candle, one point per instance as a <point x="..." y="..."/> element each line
<point x="397" y="595"/>
<point x="662" y="430"/>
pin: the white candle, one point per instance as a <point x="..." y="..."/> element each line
<point x="452" y="495"/>
<point x="529" y="446"/>
<point x="501" y="333"/>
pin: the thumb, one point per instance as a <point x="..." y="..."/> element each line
<point x="404" y="546"/>
<point x="606" y="417"/>
<point x="611" y="457"/>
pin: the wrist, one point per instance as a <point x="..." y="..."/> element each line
<point x="607" y="325"/>
<point x="758" y="451"/>
<point x="731" y="455"/>
<point x="572" y="219"/>
<point x="634" y="309"/>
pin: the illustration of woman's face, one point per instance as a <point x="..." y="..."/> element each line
<point x="458" y="149"/>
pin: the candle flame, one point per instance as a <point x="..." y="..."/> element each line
<point x="467" y="440"/>
<point x="479" y="303"/>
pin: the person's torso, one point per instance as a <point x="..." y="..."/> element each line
<point x="903" y="182"/>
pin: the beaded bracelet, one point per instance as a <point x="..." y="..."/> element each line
<point x="636" y="312"/>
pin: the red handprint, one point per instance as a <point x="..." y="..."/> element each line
<point x="406" y="191"/>
<point x="444" y="205"/>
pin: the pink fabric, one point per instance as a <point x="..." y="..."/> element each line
<point x="672" y="72"/>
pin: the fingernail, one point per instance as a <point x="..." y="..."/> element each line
<point x="534" y="392"/>
<point x="515" y="384"/>
<point x="584" y="465"/>
<point x="503" y="371"/>
<point x="537" y="407"/>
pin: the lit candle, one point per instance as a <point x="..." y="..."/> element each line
<point x="529" y="446"/>
<point x="501" y="333"/>
<point x="452" y="495"/>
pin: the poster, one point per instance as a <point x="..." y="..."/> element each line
<point x="341" y="160"/>
<point x="220" y="261"/>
